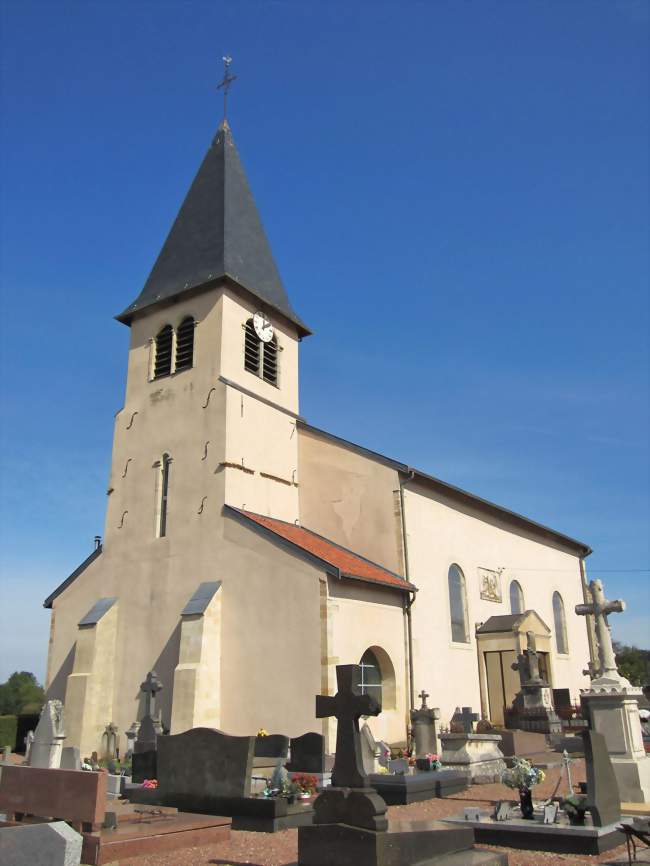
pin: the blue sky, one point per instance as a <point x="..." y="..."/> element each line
<point x="457" y="197"/>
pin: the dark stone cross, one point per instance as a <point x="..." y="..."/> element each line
<point x="423" y="697"/>
<point x="466" y="718"/>
<point x="347" y="706"/>
<point x="150" y="687"/>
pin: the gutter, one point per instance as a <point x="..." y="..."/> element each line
<point x="408" y="602"/>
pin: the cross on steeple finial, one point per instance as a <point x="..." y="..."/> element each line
<point x="226" y="82"/>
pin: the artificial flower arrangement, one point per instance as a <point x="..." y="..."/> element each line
<point x="150" y="783"/>
<point x="523" y="776"/>
<point x="262" y="732"/>
<point x="304" y="784"/>
<point x="575" y="806"/>
<point x="434" y="761"/>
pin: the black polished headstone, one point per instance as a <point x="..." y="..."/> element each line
<point x="204" y="761"/>
<point x="603" y="798"/>
<point x="271" y="746"/>
<point x="307" y="754"/>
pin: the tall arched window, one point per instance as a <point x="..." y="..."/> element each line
<point x="516" y="598"/>
<point x="458" y="605"/>
<point x="163" y="359"/>
<point x="370" y="675"/>
<point x="185" y="344"/>
<point x="163" y="496"/>
<point x="559" y="618"/>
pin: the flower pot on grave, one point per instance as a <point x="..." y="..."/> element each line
<point x="526" y="803"/>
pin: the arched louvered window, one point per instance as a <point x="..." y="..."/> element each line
<point x="252" y="352"/>
<point x="559" y="619"/>
<point x="185" y="344"/>
<point x="458" y="605"/>
<point x="270" y="361"/>
<point x="516" y="597"/>
<point x="163" y="359"/>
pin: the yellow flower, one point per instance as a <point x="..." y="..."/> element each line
<point x="262" y="732"/>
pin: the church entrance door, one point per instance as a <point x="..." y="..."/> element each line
<point x="502" y="682"/>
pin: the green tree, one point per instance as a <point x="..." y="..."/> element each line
<point x="633" y="663"/>
<point x="21" y="689"/>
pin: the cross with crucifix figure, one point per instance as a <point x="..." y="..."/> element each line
<point x="423" y="697"/>
<point x="347" y="705"/>
<point x="599" y="608"/>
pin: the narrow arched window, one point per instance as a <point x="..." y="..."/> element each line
<point x="252" y="355"/>
<point x="559" y="619"/>
<point x="458" y="605"/>
<point x="270" y="361"/>
<point x="163" y="359"/>
<point x="516" y="597"/>
<point x="163" y="495"/>
<point x="185" y="344"/>
<point x="371" y="679"/>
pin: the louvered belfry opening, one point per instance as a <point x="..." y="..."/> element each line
<point x="270" y="364"/>
<point x="163" y="362"/>
<point x="185" y="344"/>
<point x="251" y="349"/>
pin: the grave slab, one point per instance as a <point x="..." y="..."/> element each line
<point x="400" y="790"/>
<point x="53" y="844"/>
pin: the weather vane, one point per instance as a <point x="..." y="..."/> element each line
<point x="227" y="81"/>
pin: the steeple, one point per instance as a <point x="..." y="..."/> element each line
<point x="218" y="233"/>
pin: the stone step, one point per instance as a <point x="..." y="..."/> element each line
<point x="474" y="857"/>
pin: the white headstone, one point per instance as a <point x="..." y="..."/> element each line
<point x="54" y="844"/>
<point x="48" y="737"/>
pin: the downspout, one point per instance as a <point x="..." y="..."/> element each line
<point x="411" y="599"/>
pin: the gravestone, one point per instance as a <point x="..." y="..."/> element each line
<point x="603" y="799"/>
<point x="478" y="756"/>
<point x="562" y="703"/>
<point x="109" y="741"/>
<point x="70" y="758"/>
<point x="52" y="844"/>
<point x="205" y="763"/>
<point x="29" y="739"/>
<point x="466" y="718"/>
<point x="48" y="738"/>
<point x="370" y="750"/>
<point x="532" y="708"/>
<point x="308" y="754"/>
<point x="384" y="753"/>
<point x="143" y="761"/>
<point x="423" y="721"/>
<point x="274" y="746"/>
<point x="612" y="705"/>
<point x="130" y="735"/>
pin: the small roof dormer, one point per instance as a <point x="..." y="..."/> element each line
<point x="217" y="234"/>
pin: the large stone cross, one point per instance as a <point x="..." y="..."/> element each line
<point x="466" y="718"/>
<point x="423" y="697"/>
<point x="599" y="608"/>
<point x="150" y="687"/>
<point x="347" y="706"/>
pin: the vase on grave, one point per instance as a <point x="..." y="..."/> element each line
<point x="526" y="803"/>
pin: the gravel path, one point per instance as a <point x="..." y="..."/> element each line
<point x="281" y="849"/>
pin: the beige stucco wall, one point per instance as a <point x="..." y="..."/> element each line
<point x="270" y="630"/>
<point x="439" y="534"/>
<point x="350" y="498"/>
<point x="364" y="617"/>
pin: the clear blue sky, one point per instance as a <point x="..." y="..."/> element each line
<point x="457" y="197"/>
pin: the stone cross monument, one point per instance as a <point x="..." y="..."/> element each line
<point x="611" y="704"/>
<point x="350" y="799"/>
<point x="533" y="704"/>
<point x="423" y="722"/>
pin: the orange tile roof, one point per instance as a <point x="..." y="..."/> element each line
<point x="347" y="563"/>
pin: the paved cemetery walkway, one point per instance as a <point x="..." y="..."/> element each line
<point x="281" y="849"/>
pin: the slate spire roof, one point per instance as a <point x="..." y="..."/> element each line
<point x="217" y="233"/>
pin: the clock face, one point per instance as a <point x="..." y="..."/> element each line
<point x="263" y="328"/>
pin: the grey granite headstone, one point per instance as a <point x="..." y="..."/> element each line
<point x="369" y="750"/>
<point x="54" y="844"/>
<point x="70" y="758"/>
<point x="423" y="722"/>
<point x="307" y="754"/>
<point x="204" y="762"/>
<point x="603" y="798"/>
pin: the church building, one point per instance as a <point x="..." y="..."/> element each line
<point x="246" y="553"/>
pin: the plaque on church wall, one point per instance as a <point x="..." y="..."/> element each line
<point x="490" y="583"/>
